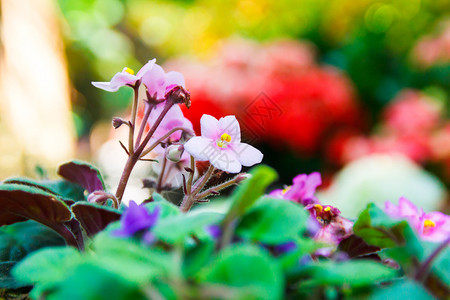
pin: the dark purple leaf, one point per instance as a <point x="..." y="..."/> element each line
<point x="83" y="174"/>
<point x="93" y="217"/>
<point x="355" y="246"/>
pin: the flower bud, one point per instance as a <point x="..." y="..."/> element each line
<point x="117" y="122"/>
<point x="101" y="197"/>
<point x="179" y="95"/>
<point x="174" y="152"/>
<point x="243" y="176"/>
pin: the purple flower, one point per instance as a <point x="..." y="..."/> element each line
<point x="214" y="231"/>
<point x="126" y="77"/>
<point x="221" y="145"/>
<point x="286" y="247"/>
<point x="433" y="226"/>
<point x="302" y="190"/>
<point x="136" y="218"/>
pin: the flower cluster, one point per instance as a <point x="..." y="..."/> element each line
<point x="433" y="226"/>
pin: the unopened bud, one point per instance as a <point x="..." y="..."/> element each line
<point x="243" y="176"/>
<point x="174" y="152"/>
<point x="117" y="122"/>
<point x="101" y="197"/>
<point x="179" y="95"/>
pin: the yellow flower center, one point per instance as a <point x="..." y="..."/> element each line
<point x="224" y="140"/>
<point x="428" y="223"/>
<point x="129" y="71"/>
<point x="318" y="207"/>
<point x="327" y="208"/>
<point x="285" y="190"/>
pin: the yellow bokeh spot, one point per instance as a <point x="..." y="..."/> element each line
<point x="129" y="71"/>
<point x="327" y="208"/>
<point x="428" y="223"/>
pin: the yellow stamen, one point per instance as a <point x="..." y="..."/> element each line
<point x="428" y="223"/>
<point x="327" y="208"/>
<point x="285" y="190"/>
<point x="129" y="71"/>
<point x="318" y="207"/>
<point x="224" y="140"/>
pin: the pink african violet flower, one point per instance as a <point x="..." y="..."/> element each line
<point x="159" y="82"/>
<point x="174" y="118"/>
<point x="302" y="190"/>
<point x="332" y="227"/>
<point x="433" y="226"/>
<point x="126" y="77"/>
<point x="221" y="145"/>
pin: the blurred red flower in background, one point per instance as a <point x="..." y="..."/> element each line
<point x="280" y="95"/>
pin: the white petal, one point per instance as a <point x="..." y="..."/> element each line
<point x="199" y="147"/>
<point x="247" y="154"/>
<point x="230" y="125"/>
<point x="104" y="86"/>
<point x="174" y="78"/>
<point x="225" y="160"/>
<point x="147" y="67"/>
<point x="210" y="127"/>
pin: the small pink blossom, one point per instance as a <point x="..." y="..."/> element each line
<point x="433" y="226"/>
<point x="220" y="144"/>
<point x="174" y="118"/>
<point x="302" y="190"/>
<point x="126" y="77"/>
<point x="333" y="228"/>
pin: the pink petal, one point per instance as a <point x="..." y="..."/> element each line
<point x="210" y="127"/>
<point x="154" y="80"/>
<point x="407" y="208"/>
<point x="230" y="125"/>
<point x="199" y="147"/>
<point x="119" y="79"/>
<point x="247" y="155"/>
<point x="174" y="79"/>
<point x="147" y="67"/>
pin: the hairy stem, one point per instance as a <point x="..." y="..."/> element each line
<point x="189" y="199"/>
<point x="422" y="272"/>
<point x="134" y="156"/>
<point x="217" y="188"/>
<point x="191" y="175"/>
<point x="143" y="124"/>
<point x="161" y="175"/>
<point x="161" y="139"/>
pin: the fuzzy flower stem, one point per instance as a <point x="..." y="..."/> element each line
<point x="189" y="199"/>
<point x="133" y="118"/>
<point x="161" y="139"/>
<point x="217" y="188"/>
<point x="191" y="175"/>
<point x="134" y="156"/>
<point x="422" y="272"/>
<point x="143" y="124"/>
<point x="161" y="175"/>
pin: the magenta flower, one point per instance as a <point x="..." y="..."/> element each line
<point x="221" y="145"/>
<point x="302" y="190"/>
<point x="136" y="218"/>
<point x="126" y="77"/>
<point x="433" y="226"/>
<point x="332" y="227"/>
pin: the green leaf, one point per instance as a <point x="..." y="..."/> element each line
<point x="377" y="229"/>
<point x="94" y="217"/>
<point x="177" y="228"/>
<point x="19" y="240"/>
<point x="249" y="191"/>
<point x="88" y="281"/>
<point x="47" y="266"/>
<point x="354" y="273"/>
<point x="402" y="289"/>
<point x="273" y="221"/>
<point x="84" y="174"/>
<point x="196" y="257"/>
<point x="250" y="269"/>
<point x="167" y="209"/>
